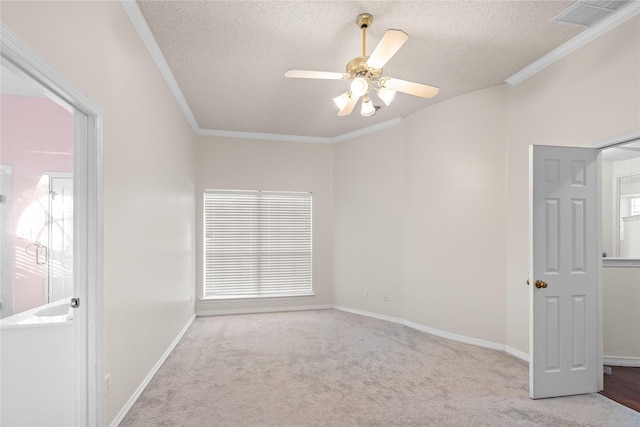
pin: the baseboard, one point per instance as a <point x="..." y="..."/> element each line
<point x="123" y="412"/>
<point x="370" y="314"/>
<point x="633" y="362"/>
<point x="443" y="334"/>
<point x="455" y="337"/>
<point x="517" y="353"/>
<point x="262" y="310"/>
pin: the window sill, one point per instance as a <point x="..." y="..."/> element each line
<point x="621" y="262"/>
<point x="255" y="298"/>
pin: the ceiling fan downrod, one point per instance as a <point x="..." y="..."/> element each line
<point x="364" y="20"/>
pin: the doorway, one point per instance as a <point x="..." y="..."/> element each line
<point x="563" y="233"/>
<point x="76" y="234"/>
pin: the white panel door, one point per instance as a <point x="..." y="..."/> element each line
<point x="564" y="271"/>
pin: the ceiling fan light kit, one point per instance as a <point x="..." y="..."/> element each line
<point x="342" y="100"/>
<point x="364" y="71"/>
<point x="367" y="107"/>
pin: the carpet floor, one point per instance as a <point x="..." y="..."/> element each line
<point x="331" y="368"/>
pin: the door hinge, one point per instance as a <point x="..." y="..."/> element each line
<point x="75" y="302"/>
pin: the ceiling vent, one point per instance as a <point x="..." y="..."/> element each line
<point x="589" y="12"/>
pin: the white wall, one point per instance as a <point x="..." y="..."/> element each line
<point x="227" y="163"/>
<point x="589" y="96"/>
<point x="419" y="215"/>
<point x="454" y="231"/>
<point x="368" y="206"/>
<point x="446" y="166"/>
<point x="464" y="192"/>
<point x="148" y="179"/>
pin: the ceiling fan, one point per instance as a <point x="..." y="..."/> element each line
<point x="365" y="71"/>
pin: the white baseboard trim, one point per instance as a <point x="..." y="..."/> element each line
<point x="262" y="310"/>
<point x="633" y="362"/>
<point x="456" y="337"/>
<point x="517" y="353"/>
<point x="123" y="412"/>
<point x="370" y="314"/>
<point x="443" y="334"/>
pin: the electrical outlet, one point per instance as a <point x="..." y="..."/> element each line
<point x="367" y="294"/>
<point x="385" y="298"/>
<point x="107" y="383"/>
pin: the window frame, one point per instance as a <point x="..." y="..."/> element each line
<point x="267" y="279"/>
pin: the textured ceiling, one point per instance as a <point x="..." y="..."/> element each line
<point x="229" y="57"/>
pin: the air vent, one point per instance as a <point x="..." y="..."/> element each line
<point x="589" y="12"/>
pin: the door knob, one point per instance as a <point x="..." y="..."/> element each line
<point x="541" y="284"/>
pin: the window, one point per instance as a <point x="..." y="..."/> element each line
<point x="635" y="206"/>
<point x="256" y="244"/>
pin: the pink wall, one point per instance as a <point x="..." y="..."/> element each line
<point x="36" y="138"/>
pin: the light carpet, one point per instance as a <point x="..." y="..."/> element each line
<point x="331" y="368"/>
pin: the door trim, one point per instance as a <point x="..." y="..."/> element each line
<point x="88" y="207"/>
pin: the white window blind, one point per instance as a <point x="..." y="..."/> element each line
<point x="257" y="244"/>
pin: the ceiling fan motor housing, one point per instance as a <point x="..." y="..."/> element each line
<point x="358" y="67"/>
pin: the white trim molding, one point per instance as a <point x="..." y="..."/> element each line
<point x="301" y="138"/>
<point x="621" y="262"/>
<point x="88" y="205"/>
<point x="517" y="353"/>
<point x="136" y="394"/>
<point x="620" y="139"/>
<point x="575" y="43"/>
<point x="204" y="313"/>
<point x="139" y="23"/>
<point x="633" y="362"/>
<point x="264" y="136"/>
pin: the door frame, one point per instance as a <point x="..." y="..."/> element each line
<point x="88" y="221"/>
<point x="599" y="146"/>
<point x="6" y="238"/>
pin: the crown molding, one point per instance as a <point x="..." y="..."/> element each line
<point x="575" y="43"/>
<point x="367" y="130"/>
<point x="301" y="138"/>
<point x="264" y="136"/>
<point x="139" y="23"/>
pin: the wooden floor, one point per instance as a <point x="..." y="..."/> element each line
<point x="623" y="386"/>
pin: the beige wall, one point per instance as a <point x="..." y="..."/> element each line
<point x="419" y="215"/>
<point x="149" y="240"/>
<point x="464" y="192"/>
<point x="621" y="313"/>
<point x="368" y="198"/>
<point x="589" y="96"/>
<point x="225" y="163"/>
<point x="454" y="231"/>
<point x="421" y="210"/>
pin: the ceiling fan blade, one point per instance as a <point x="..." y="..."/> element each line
<point x="350" y="106"/>
<point x="417" y="89"/>
<point x="391" y="42"/>
<point x="306" y="74"/>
